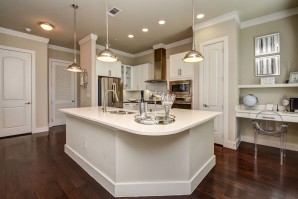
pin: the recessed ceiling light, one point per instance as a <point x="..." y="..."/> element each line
<point x="46" y="26"/>
<point x="145" y="29"/>
<point x="130" y="36"/>
<point x="28" y="29"/>
<point x="161" y="22"/>
<point x="200" y="16"/>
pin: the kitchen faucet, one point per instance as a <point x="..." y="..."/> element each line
<point x="104" y="108"/>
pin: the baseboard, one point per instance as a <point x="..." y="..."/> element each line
<point x="40" y="129"/>
<point x="101" y="178"/>
<point x="231" y="144"/>
<point x="272" y="143"/>
<point x="134" y="189"/>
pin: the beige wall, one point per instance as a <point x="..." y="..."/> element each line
<point x="230" y="29"/>
<point x="41" y="76"/>
<point x="288" y="30"/>
<point x="149" y="58"/>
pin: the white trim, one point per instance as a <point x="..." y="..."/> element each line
<point x="217" y="20"/>
<point x="87" y="38"/>
<point x="60" y="48"/>
<point x="132" y="189"/>
<point x="232" y="145"/>
<point x="33" y="83"/>
<point x="157" y="46"/>
<point x="50" y="87"/>
<point x="41" y="129"/>
<point x="179" y="43"/>
<point x="272" y="143"/>
<point x="147" y="52"/>
<point x="270" y="17"/>
<point x="100" y="47"/>
<point x="225" y="41"/>
<point x="23" y="35"/>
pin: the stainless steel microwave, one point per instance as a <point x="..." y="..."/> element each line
<point x="181" y="87"/>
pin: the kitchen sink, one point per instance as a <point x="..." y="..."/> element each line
<point x="121" y="112"/>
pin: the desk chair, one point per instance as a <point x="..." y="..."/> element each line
<point x="270" y="123"/>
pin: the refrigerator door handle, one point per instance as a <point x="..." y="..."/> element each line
<point x="113" y="95"/>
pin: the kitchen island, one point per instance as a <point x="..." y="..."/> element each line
<point x="132" y="159"/>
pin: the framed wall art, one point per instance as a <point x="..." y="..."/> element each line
<point x="293" y="77"/>
<point x="267" y="66"/>
<point x="267" y="44"/>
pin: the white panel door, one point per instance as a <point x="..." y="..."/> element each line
<point x="213" y="89"/>
<point x="63" y="91"/>
<point x="15" y="92"/>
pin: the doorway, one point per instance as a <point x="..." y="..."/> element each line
<point x="63" y="90"/>
<point x="15" y="91"/>
<point x="213" y="85"/>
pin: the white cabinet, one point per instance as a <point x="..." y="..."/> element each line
<point x="141" y="73"/>
<point x="108" y="69"/>
<point x="127" y="105"/>
<point x="180" y="69"/>
<point x="126" y="75"/>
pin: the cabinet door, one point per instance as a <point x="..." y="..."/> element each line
<point x="102" y="69"/>
<point x="108" y="69"/>
<point x="135" y="78"/>
<point x="145" y="73"/>
<point x="114" y="69"/>
<point x="175" y="63"/>
<point x="128" y="77"/>
<point x="180" y="69"/>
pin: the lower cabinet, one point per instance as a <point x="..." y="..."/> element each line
<point x="135" y="106"/>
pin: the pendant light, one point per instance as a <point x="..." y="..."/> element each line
<point x="74" y="67"/>
<point x="106" y="55"/>
<point x="193" y="55"/>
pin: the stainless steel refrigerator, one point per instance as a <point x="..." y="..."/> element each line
<point x="110" y="83"/>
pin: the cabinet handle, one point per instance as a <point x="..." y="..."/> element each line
<point x="268" y="117"/>
<point x="180" y="71"/>
<point x="28" y="103"/>
<point x="109" y="72"/>
<point x="205" y="105"/>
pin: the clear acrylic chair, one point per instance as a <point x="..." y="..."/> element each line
<point x="271" y="124"/>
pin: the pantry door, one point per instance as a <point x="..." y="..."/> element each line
<point x="212" y="85"/>
<point x="15" y="92"/>
<point x="62" y="90"/>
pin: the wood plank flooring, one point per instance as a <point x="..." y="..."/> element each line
<point x="35" y="166"/>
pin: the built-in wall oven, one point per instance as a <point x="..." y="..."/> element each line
<point x="183" y="91"/>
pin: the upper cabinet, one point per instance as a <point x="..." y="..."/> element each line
<point x="108" y="69"/>
<point x="126" y="75"/>
<point x="180" y="69"/>
<point x="141" y="73"/>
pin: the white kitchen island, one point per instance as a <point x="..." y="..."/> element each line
<point x="132" y="159"/>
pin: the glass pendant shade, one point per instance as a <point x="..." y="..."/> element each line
<point x="106" y="55"/>
<point x="74" y="67"/>
<point x="193" y="55"/>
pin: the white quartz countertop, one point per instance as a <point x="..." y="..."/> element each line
<point x="185" y="119"/>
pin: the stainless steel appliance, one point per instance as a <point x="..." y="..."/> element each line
<point x="183" y="91"/>
<point x="293" y="104"/>
<point x="110" y="83"/>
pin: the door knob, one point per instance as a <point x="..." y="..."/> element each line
<point x="205" y="105"/>
<point x="28" y="103"/>
<point x="72" y="101"/>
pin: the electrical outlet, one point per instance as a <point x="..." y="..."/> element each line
<point x="85" y="144"/>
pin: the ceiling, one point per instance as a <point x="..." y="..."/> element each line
<point x="135" y="15"/>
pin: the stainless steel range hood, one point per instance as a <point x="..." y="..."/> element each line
<point x="160" y="66"/>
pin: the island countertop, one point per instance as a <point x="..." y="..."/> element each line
<point x="185" y="119"/>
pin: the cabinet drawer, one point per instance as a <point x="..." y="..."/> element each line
<point x="127" y="106"/>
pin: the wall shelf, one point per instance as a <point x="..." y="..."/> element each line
<point x="269" y="86"/>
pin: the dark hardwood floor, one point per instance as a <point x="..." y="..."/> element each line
<point x="35" y="166"/>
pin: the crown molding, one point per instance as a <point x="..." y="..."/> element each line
<point x="63" y="49"/>
<point x="118" y="52"/>
<point x="179" y="43"/>
<point x="24" y="35"/>
<point x="157" y="46"/>
<point x="270" y="17"/>
<point x="147" y="52"/>
<point x="217" y="20"/>
<point x="87" y="38"/>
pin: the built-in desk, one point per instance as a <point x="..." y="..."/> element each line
<point x="252" y="113"/>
